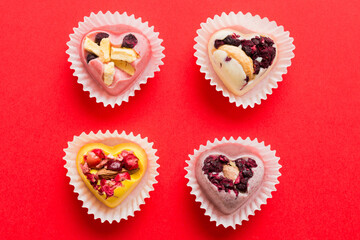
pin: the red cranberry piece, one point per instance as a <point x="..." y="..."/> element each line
<point x="232" y="41"/>
<point x="251" y="163"/>
<point x="114" y="165"/>
<point x="129" y="41"/>
<point x="122" y="176"/>
<point x="212" y="164"/>
<point x="90" y="57"/>
<point x="241" y="187"/>
<point x="247" y="173"/>
<point x="256" y="67"/>
<point x="100" y="36"/>
<point x="130" y="162"/>
<point x="227" y="59"/>
<point x="218" y="43"/>
<point x="92" y="159"/>
<point x="223" y="159"/>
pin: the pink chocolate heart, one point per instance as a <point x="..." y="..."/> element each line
<point x="228" y="201"/>
<point x="122" y="80"/>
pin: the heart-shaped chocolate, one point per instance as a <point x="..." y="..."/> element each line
<point x="229" y="174"/>
<point x="111" y="172"/>
<point x="115" y="56"/>
<point x="241" y="60"/>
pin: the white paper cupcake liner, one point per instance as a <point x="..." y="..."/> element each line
<point x="89" y="84"/>
<point x="255" y="24"/>
<point x="259" y="197"/>
<point x="137" y="196"/>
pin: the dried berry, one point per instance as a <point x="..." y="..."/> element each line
<point x="130" y="160"/>
<point x="90" y="57"/>
<point x="247" y="173"/>
<point x="114" y="165"/>
<point x="223" y="159"/>
<point x="129" y="41"/>
<point x="212" y="164"/>
<point x="230" y="40"/>
<point x="122" y="176"/>
<point x="218" y="43"/>
<point x="100" y="36"/>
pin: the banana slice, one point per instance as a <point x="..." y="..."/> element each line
<point x="239" y="55"/>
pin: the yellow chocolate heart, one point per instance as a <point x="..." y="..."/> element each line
<point x="120" y="193"/>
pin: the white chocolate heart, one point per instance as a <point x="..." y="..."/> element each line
<point x="229" y="64"/>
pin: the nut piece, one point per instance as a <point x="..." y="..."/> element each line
<point x="107" y="174"/>
<point x="231" y="171"/>
<point x="124" y="54"/>
<point x="239" y="55"/>
<point x="125" y="66"/>
<point x="109" y="72"/>
<point x="92" y="47"/>
<point x="105" y="50"/>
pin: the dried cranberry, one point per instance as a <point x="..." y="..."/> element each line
<point x="212" y="164"/>
<point x="241" y="187"/>
<point x="247" y="173"/>
<point x="256" y="65"/>
<point x="232" y="41"/>
<point x="227" y="59"/>
<point x="251" y="163"/>
<point x="90" y="57"/>
<point x="100" y="36"/>
<point x="223" y="159"/>
<point x="99" y="153"/>
<point x="122" y="176"/>
<point x="129" y="41"/>
<point x="114" y="165"/>
<point x="218" y="43"/>
<point x="130" y="161"/>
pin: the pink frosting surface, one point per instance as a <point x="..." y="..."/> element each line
<point x="228" y="202"/>
<point x="122" y="80"/>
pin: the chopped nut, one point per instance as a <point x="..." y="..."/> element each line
<point x="231" y="171"/>
<point x="91" y="46"/>
<point x="125" y="66"/>
<point x="106" y="174"/>
<point x="105" y="50"/>
<point x="109" y="72"/>
<point x="125" y="54"/>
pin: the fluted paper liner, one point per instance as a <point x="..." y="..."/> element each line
<point x="91" y="85"/>
<point x="255" y="24"/>
<point x="259" y="197"/>
<point x="136" y="197"/>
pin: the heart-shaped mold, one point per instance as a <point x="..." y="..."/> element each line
<point x="241" y="60"/>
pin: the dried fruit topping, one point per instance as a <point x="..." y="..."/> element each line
<point x="114" y="165"/>
<point x="257" y="47"/>
<point x="130" y="160"/>
<point x="100" y="36"/>
<point x="122" y="176"/>
<point x="212" y="164"/>
<point x="92" y="159"/>
<point x="129" y="41"/>
<point x="229" y="175"/>
<point x="90" y="57"/>
<point x="110" y="171"/>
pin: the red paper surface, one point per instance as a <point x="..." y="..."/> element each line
<point x="311" y="120"/>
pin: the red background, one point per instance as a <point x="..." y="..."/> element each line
<point x="311" y="120"/>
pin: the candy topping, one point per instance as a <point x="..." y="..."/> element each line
<point x="229" y="175"/>
<point x="105" y="172"/>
